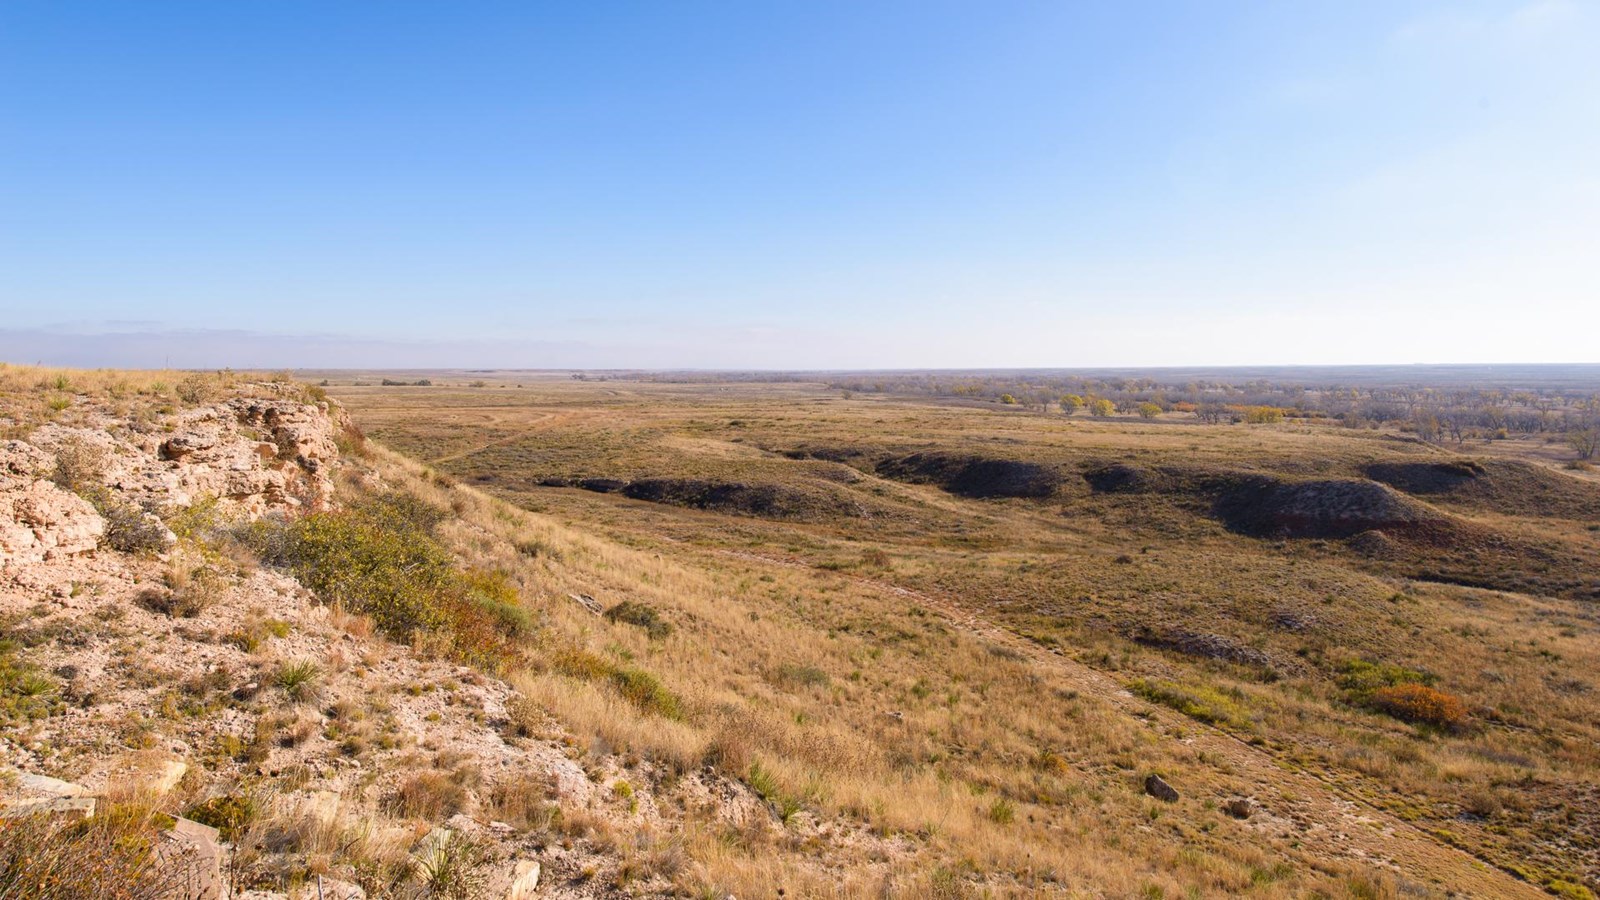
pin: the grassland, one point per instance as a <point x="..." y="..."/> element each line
<point x="948" y="642"/>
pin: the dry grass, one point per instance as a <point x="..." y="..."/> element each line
<point x="909" y="725"/>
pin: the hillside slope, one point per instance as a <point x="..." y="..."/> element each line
<point x="221" y="603"/>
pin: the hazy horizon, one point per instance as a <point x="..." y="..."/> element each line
<point x="820" y="186"/>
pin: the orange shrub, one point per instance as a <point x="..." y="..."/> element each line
<point x="1422" y="705"/>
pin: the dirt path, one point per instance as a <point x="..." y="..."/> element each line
<point x="544" y="421"/>
<point x="1296" y="805"/>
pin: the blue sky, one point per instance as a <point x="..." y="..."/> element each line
<point x="799" y="184"/>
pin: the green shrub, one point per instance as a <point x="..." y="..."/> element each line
<point x="228" y="813"/>
<point x="646" y="692"/>
<point x="1200" y="702"/>
<point x="494" y="593"/>
<point x="25" y="692"/>
<point x="764" y="783"/>
<point x="804" y="676"/>
<point x="299" y="680"/>
<point x="380" y="558"/>
<point x="1002" y="811"/>
<point x="1361" y="679"/>
<point x="643" y="616"/>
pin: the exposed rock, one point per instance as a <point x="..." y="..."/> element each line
<point x="1157" y="787"/>
<point x="40" y="521"/>
<point x="179" y="446"/>
<point x="199" y="860"/>
<point x="67" y="807"/>
<point x="974" y="476"/>
<point x="1327" y="508"/>
<point x="524" y="880"/>
<point x="30" y="784"/>
<point x="1375" y="545"/>
<point x="1197" y="643"/>
<point x="325" y="888"/>
<point x="1124" y="478"/>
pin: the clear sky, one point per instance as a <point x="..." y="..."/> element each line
<point x="798" y="184"/>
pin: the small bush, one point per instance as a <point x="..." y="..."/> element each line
<point x="25" y="692"/>
<point x="764" y="783"/>
<point x="801" y="676"/>
<point x="643" y="616"/>
<point x="228" y="813"/>
<point x="188" y="592"/>
<point x="1421" y="705"/>
<point x="646" y="692"/>
<point x="200" y="388"/>
<point x="380" y="558"/>
<point x="79" y="465"/>
<point x="524" y="802"/>
<point x="453" y="869"/>
<point x="1361" y="679"/>
<point x="1002" y="811"/>
<point x="299" y="680"/>
<point x="1200" y="702"/>
<point x="430" y="796"/>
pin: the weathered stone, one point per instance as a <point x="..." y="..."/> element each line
<point x="181" y="445"/>
<point x="198" y="860"/>
<point x="167" y="775"/>
<point x="524" y="880"/>
<point x="40" y="521"/>
<point x="1157" y="787"/>
<point x="45" y="786"/>
<point x="324" y="888"/>
<point x="65" y="807"/>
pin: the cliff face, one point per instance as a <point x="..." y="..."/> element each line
<point x="249" y="455"/>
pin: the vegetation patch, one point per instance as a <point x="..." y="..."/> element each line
<point x="114" y="854"/>
<point x="642" y="615"/>
<point x="25" y="692"/>
<point x="1421" y="705"/>
<point x="381" y="558"/>
<point x="1200" y="702"/>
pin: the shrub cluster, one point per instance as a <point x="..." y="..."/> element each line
<point x="1421" y="705"/>
<point x="1406" y="694"/>
<point x="644" y="616"/>
<point x="381" y="558"/>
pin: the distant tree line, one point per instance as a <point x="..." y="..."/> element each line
<point x="1436" y="414"/>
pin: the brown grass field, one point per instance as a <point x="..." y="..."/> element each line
<point x="972" y="632"/>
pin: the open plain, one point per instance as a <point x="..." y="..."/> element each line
<point x="1364" y="662"/>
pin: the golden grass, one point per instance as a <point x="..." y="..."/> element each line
<point x="914" y="726"/>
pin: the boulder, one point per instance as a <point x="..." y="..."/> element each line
<point x="524" y="880"/>
<point x="40" y="521"/>
<point x="181" y="445"/>
<point x="1157" y="787"/>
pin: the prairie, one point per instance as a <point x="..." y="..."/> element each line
<point x="974" y="631"/>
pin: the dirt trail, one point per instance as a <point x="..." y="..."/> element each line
<point x="544" y="421"/>
<point x="1295" y="804"/>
